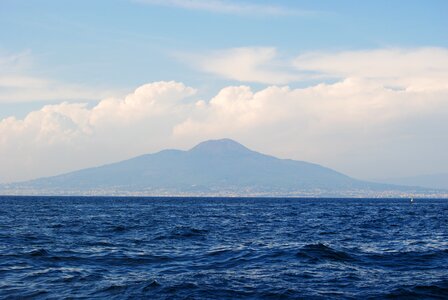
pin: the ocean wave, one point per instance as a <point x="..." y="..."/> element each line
<point x="128" y="248"/>
<point x="321" y="252"/>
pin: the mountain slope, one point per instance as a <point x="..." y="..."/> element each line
<point x="216" y="167"/>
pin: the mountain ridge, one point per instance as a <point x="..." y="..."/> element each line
<point x="213" y="167"/>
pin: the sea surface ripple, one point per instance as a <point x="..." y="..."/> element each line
<point x="222" y="248"/>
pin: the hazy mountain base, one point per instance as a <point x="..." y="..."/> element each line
<point x="23" y="191"/>
<point x="430" y="181"/>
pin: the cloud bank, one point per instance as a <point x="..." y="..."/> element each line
<point x="385" y="116"/>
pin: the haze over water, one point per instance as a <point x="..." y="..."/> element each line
<point x="226" y="248"/>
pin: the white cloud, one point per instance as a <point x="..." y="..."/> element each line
<point x="19" y="84"/>
<point x="245" y="64"/>
<point x="14" y="62"/>
<point x="229" y="7"/>
<point x="417" y="68"/>
<point x="355" y="125"/>
<point x="68" y="136"/>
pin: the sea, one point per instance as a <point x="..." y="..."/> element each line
<point x="222" y="248"/>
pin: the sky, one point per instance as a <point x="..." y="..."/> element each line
<point x="357" y="86"/>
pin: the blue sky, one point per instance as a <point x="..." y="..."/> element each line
<point x="85" y="51"/>
<point x="121" y="43"/>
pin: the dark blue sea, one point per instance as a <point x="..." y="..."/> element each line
<point x="222" y="248"/>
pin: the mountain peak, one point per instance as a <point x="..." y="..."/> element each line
<point x="219" y="146"/>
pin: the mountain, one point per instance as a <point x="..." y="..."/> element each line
<point x="432" y="181"/>
<point x="216" y="167"/>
